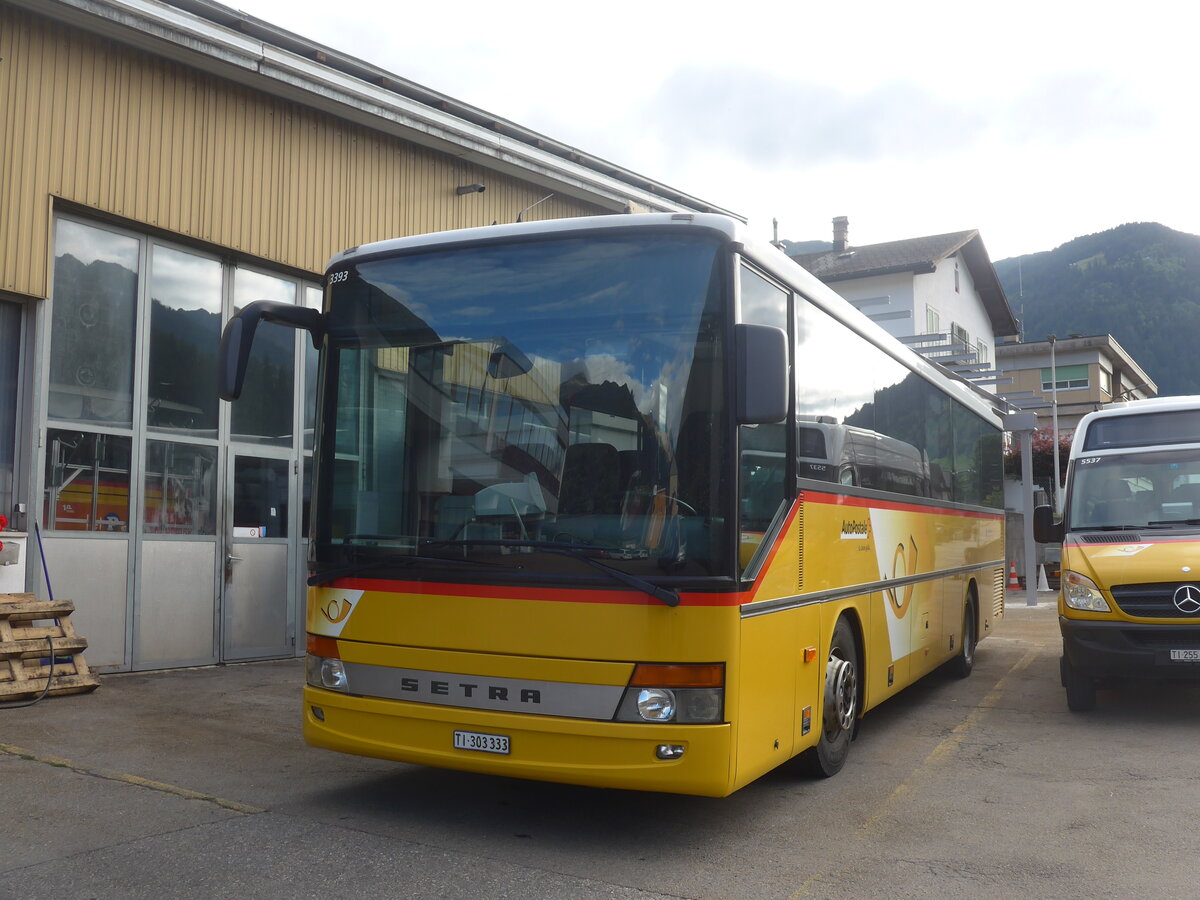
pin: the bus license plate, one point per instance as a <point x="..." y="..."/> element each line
<point x="1185" y="656"/>
<point x="485" y="743"/>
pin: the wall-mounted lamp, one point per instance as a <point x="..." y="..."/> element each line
<point x="470" y="189"/>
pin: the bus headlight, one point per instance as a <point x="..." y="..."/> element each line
<point x="1080" y="592"/>
<point x="675" y="694"/>
<point x="656" y="704"/>
<point x="324" y="672"/>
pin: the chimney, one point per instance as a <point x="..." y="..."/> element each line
<point x="841" y="233"/>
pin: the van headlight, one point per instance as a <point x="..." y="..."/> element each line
<point x="1080" y="592"/>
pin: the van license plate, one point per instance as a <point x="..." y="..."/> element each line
<point x="1185" y="656"/>
<point x="485" y="743"/>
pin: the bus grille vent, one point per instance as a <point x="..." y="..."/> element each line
<point x="800" y="543"/>
<point x="998" y="592"/>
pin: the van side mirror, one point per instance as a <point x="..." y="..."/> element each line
<point x="238" y="338"/>
<point x="1045" y="529"/>
<point x="762" y="374"/>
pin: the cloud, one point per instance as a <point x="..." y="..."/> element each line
<point x="1073" y="107"/>
<point x="755" y="115"/>
<point x="750" y="114"/>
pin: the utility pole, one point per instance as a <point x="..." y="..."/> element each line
<point x="1054" y="425"/>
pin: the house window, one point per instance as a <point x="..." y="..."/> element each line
<point x="956" y="276"/>
<point x="981" y="352"/>
<point x="1069" y="378"/>
<point x="933" y="322"/>
<point x="1106" y="381"/>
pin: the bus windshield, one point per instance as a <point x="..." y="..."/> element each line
<point x="540" y="406"/>
<point x="1135" y="490"/>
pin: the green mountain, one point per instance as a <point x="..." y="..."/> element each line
<point x="1138" y="282"/>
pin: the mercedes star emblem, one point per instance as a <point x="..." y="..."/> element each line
<point x="1187" y="599"/>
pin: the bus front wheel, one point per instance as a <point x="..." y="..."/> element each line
<point x="840" y="705"/>
<point x="1081" y="689"/>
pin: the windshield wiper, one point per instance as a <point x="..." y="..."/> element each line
<point x="1167" y="523"/>
<point x="392" y="562"/>
<point x="580" y="552"/>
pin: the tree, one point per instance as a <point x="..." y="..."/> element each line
<point x="1043" y="455"/>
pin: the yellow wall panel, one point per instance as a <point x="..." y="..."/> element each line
<point x="97" y="124"/>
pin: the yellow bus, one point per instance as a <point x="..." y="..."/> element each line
<point x="1129" y="594"/>
<point x="572" y="520"/>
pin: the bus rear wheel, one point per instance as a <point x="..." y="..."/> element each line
<point x="962" y="664"/>
<point x="840" y="706"/>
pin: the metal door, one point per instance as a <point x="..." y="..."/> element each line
<point x="261" y="546"/>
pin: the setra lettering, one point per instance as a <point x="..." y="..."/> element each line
<point x="469" y="690"/>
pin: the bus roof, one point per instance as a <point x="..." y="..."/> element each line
<point x="1127" y="408"/>
<point x="773" y="260"/>
<point x="731" y="228"/>
<point x="1150" y="404"/>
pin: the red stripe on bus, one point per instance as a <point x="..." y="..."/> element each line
<point x="1163" y="539"/>
<point x="548" y="595"/>
<point x="636" y="598"/>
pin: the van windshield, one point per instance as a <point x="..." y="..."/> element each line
<point x="1135" y="490"/>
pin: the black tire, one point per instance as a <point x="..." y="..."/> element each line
<point x="1081" y="689"/>
<point x="840" y="708"/>
<point x="962" y="664"/>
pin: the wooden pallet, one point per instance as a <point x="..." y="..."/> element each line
<point x="28" y="628"/>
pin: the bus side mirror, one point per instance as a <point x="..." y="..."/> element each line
<point x="238" y="338"/>
<point x="1045" y="529"/>
<point x="762" y="374"/>
<point x="508" y="361"/>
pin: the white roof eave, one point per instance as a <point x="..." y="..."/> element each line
<point x="175" y="33"/>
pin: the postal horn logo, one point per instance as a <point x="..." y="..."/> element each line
<point x="336" y="610"/>
<point x="904" y="563"/>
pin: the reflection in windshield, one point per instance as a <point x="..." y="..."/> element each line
<point x="565" y="391"/>
<point x="1137" y="490"/>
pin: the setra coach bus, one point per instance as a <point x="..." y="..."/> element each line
<point x="584" y="509"/>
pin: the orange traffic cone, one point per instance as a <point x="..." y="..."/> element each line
<point x="1012" y="576"/>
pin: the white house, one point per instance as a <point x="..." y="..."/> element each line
<point x="942" y="286"/>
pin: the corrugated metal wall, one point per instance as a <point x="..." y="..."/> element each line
<point x="93" y="122"/>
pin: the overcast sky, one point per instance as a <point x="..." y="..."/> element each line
<point x="1033" y="122"/>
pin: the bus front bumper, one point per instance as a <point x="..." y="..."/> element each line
<point x="1132" y="650"/>
<point x="542" y="748"/>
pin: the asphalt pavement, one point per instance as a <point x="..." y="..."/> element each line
<point x="197" y="783"/>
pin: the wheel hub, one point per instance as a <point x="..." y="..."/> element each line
<point x="841" y="694"/>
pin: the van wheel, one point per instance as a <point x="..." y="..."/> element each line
<point x="1081" y="690"/>
<point x="962" y="664"/>
<point x="840" y="713"/>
